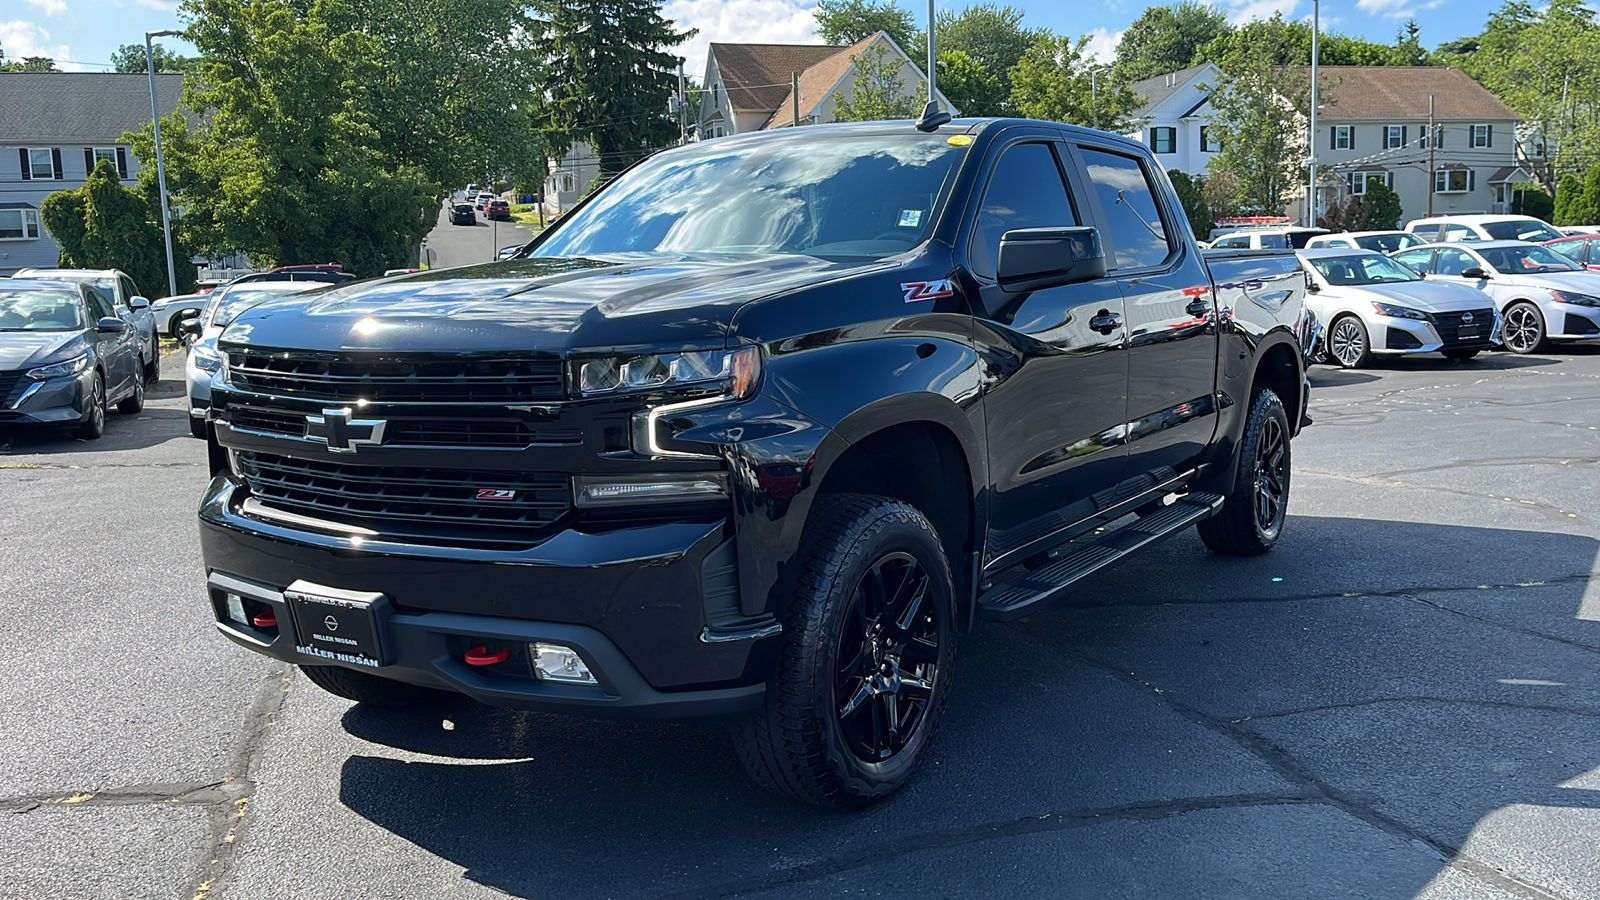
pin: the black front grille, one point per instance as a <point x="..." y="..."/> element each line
<point x="421" y="432"/>
<point x="386" y="378"/>
<point x="1449" y="324"/>
<point x="494" y="504"/>
<point x="9" y="382"/>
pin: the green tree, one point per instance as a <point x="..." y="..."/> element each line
<point x="971" y="87"/>
<point x="130" y="58"/>
<point x="877" y="91"/>
<point x="27" y="64"/>
<point x="104" y="225"/>
<point x="1566" y="193"/>
<point x="1287" y="43"/>
<point x="1258" y="112"/>
<point x="993" y="36"/>
<point x="1191" y="194"/>
<point x="1583" y="206"/>
<point x="1052" y="82"/>
<point x="1380" y="207"/>
<point x="1533" y="200"/>
<point x="1167" y="38"/>
<point x="848" y="21"/>
<point x="1408" y="49"/>
<point x="606" y="77"/>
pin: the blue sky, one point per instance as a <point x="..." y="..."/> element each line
<point x="83" y="33"/>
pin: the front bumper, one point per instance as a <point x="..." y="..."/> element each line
<point x="1396" y="336"/>
<point x="1574" y="321"/>
<point x="632" y="601"/>
<point x="58" y="401"/>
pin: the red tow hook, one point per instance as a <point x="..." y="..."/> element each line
<point x="268" y="619"/>
<point x="480" y="656"/>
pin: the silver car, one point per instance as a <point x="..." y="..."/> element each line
<point x="204" y="359"/>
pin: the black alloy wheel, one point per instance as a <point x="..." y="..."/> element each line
<point x="94" y="423"/>
<point x="888" y="657"/>
<point x="1522" y="330"/>
<point x="134" y="402"/>
<point x="1348" y="344"/>
<point x="1271" y="484"/>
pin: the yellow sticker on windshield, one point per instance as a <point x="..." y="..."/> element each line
<point x="959" y="140"/>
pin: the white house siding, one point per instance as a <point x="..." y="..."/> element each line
<point x="569" y="178"/>
<point x="1408" y="166"/>
<point x="43" y="252"/>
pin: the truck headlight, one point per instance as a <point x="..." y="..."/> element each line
<point x="1398" y="312"/>
<point x="736" y="372"/>
<point x="1576" y="299"/>
<point x="61" y="369"/>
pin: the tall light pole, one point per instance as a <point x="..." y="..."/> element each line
<point x="1094" y="94"/>
<point x="161" y="166"/>
<point x="1311" y="142"/>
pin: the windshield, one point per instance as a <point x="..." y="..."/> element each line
<point x="107" y="286"/>
<point x="1362" y="269"/>
<point x="227" y="307"/>
<point x="1529" y="260"/>
<point x="22" y="310"/>
<point x="1520" y="230"/>
<point x="858" y="196"/>
<point x="1388" y="243"/>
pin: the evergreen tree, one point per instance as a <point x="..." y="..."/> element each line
<point x="607" y="77"/>
<point x="1566" y="193"/>
<point x="1191" y="195"/>
<point x="104" y="225"/>
<point x="1380" y="207"/>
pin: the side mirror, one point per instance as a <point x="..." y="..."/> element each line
<point x="191" y="326"/>
<point x="1474" y="272"/>
<point x="110" y="325"/>
<point x="1032" y="259"/>
<point x="1313" y="287"/>
<point x="138" y="303"/>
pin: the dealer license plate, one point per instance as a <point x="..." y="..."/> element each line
<point x="1468" y="333"/>
<point x="346" y="626"/>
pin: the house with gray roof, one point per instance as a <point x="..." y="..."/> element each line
<point x="54" y="128"/>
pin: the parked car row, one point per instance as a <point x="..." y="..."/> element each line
<point x="67" y="355"/>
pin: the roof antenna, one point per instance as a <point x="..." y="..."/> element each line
<point x="932" y="117"/>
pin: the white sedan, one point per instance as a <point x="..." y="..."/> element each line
<point x="205" y="360"/>
<point x="1541" y="295"/>
<point x="1372" y="305"/>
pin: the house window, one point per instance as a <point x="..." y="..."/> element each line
<point x="117" y="156"/>
<point x="19" y="224"/>
<point x="1208" y="144"/>
<point x="1453" y="181"/>
<point x="1359" y="180"/>
<point x="1344" y="137"/>
<point x="1438" y="137"/>
<point x="1394" y="137"/>
<point x="716" y="96"/>
<point x="567" y="183"/>
<point x="40" y="162"/>
<point x="1482" y="136"/>
<point x="1164" y="140"/>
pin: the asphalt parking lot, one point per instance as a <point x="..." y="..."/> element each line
<point x="1400" y="701"/>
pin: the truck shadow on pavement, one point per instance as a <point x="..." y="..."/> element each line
<point x="1378" y="709"/>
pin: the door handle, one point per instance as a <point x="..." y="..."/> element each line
<point x="1198" y="308"/>
<point x="1106" y="322"/>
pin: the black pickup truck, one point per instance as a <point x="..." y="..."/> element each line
<point x="755" y="432"/>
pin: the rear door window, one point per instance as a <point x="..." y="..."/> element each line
<point x="1134" y="229"/>
<point x="1026" y="191"/>
<point x="1458" y="233"/>
<point x="1453" y="262"/>
<point x="99" y="306"/>
<point x="1417" y="260"/>
<point x="1426" y="232"/>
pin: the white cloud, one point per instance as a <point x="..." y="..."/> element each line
<point x="166" y="6"/>
<point x="1102" y="46"/>
<point x="1396" y="9"/>
<point x="736" y="22"/>
<point x="21" y="39"/>
<point x="1241" y="11"/>
<point x="50" y="7"/>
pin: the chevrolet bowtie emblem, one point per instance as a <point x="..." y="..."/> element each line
<point x="344" y="434"/>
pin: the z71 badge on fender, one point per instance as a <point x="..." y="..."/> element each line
<point x="927" y="290"/>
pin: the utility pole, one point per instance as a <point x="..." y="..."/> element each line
<point x="1311" y="144"/>
<point x="161" y="166"/>
<point x="683" y="101"/>
<point x="1431" y="142"/>
<point x="1094" y="97"/>
<point x="794" y="91"/>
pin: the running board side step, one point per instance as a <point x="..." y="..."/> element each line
<point x="1029" y="593"/>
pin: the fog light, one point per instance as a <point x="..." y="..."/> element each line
<point x="236" y="608"/>
<point x="554" y="662"/>
<point x="637" y="489"/>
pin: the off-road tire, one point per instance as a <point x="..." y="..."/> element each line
<point x="370" y="689"/>
<point x="1237" y="529"/>
<point x="94" y="424"/>
<point x="795" y="745"/>
<point x="134" y="402"/>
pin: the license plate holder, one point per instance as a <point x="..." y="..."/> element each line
<point x="339" y="625"/>
<point x="1468" y="333"/>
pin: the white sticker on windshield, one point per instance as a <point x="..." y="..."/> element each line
<point x="910" y="218"/>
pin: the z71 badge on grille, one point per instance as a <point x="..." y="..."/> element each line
<point x="491" y="494"/>
<point x="927" y="290"/>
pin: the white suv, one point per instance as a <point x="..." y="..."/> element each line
<point x="1482" y="228"/>
<point x="1267" y="239"/>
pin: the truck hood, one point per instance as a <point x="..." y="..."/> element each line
<point x="26" y="349"/>
<point x="628" y="301"/>
<point x="1427" y="296"/>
